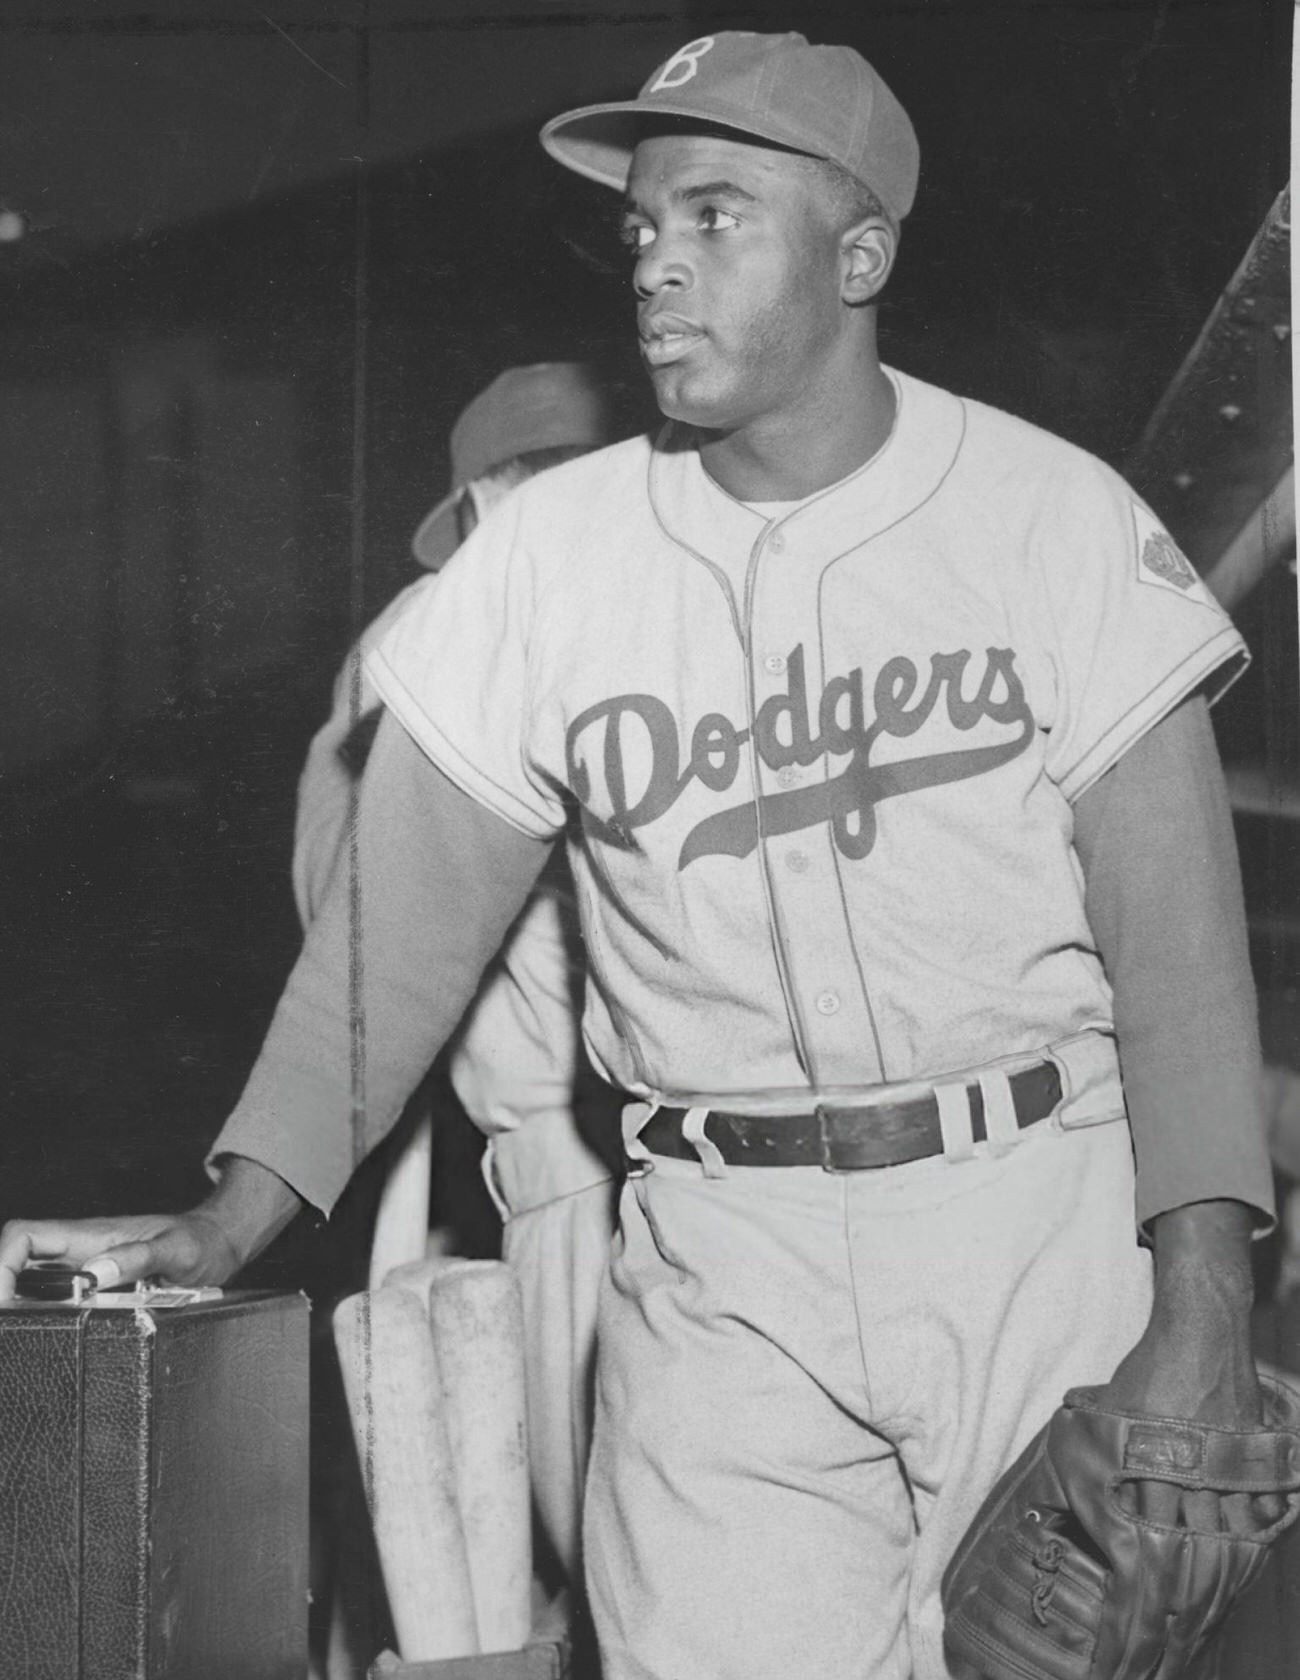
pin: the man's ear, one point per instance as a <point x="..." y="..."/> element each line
<point x="867" y="254"/>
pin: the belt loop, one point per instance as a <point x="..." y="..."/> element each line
<point x="1091" y="1090"/>
<point x="709" y="1153"/>
<point x="955" y="1122"/>
<point x="488" y="1167"/>
<point x="1000" y="1122"/>
<point x="636" y="1116"/>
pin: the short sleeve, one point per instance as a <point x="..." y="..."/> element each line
<point x="1132" y="627"/>
<point x="455" y="669"/>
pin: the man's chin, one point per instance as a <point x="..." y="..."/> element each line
<point x="680" y="399"/>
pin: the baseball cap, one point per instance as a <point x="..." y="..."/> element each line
<point x="544" y="406"/>
<point x="825" y="101"/>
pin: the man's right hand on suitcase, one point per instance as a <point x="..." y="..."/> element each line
<point x="249" y="1206"/>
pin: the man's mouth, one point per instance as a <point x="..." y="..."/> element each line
<point x="667" y="338"/>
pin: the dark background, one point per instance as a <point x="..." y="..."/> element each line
<point x="269" y="253"/>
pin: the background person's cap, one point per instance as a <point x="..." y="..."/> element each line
<point x="825" y="101"/>
<point x="545" y="406"/>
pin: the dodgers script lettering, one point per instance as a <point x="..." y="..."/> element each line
<point x="607" y="740"/>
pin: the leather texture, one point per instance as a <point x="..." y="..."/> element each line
<point x="844" y="1137"/>
<point x="40" y="1498"/>
<point x="153" y="1491"/>
<point x="1059" y="1579"/>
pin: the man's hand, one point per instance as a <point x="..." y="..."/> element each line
<point x="185" y="1248"/>
<point x="207" y="1245"/>
<point x="1194" y="1359"/>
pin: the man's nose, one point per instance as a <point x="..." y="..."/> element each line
<point x="661" y="265"/>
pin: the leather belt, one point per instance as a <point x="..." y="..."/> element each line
<point x="843" y="1138"/>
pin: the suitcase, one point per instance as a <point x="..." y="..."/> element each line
<point x="153" y="1489"/>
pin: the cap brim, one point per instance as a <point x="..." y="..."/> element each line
<point x="438" y="536"/>
<point x="598" y="140"/>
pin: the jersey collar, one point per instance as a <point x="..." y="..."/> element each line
<point x="699" y="516"/>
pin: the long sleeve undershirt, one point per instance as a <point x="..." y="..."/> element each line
<point x="389" y="965"/>
<point x="392" y="960"/>
<point x="1164" y="901"/>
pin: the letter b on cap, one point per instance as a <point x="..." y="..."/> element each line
<point x="682" y="66"/>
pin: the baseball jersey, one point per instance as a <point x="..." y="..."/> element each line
<point x="821" y="764"/>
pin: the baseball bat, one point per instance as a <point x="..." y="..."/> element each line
<point x="390" y="1377"/>
<point x="416" y="1277"/>
<point x="476" y="1315"/>
<point x="402" y="1219"/>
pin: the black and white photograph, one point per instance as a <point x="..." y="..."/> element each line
<point x="649" y="841"/>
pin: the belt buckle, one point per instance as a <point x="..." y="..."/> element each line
<point x="826" y="1142"/>
<point x="844" y="1149"/>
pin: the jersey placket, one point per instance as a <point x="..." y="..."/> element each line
<point x="812" y="936"/>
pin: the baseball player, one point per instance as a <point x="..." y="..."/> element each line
<point x="877" y="723"/>
<point x="516" y="1063"/>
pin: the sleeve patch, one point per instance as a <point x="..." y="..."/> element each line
<point x="1161" y="563"/>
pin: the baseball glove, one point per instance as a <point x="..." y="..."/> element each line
<point x="1059" y="1577"/>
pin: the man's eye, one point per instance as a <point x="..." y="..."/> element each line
<point x="636" y="236"/>
<point x="713" y="220"/>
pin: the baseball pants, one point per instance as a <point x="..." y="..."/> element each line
<point x="558" y="1202"/>
<point x="808" y="1381"/>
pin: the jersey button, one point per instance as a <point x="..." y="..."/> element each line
<point x="828" y="1003"/>
<point x="798" y="861"/>
<point x="776" y="542"/>
<point x="787" y="776"/>
<point x="775" y="663"/>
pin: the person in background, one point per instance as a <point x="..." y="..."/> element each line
<point x="516" y="1062"/>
